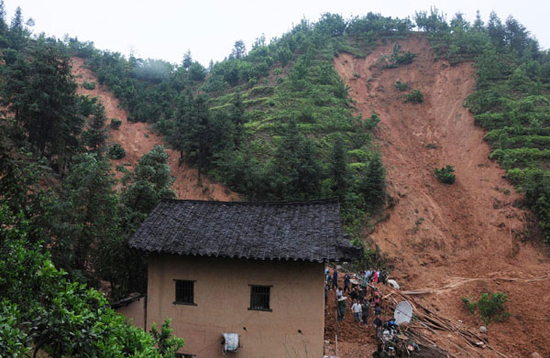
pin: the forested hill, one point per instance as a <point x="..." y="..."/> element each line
<point x="273" y="123"/>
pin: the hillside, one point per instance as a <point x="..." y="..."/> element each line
<point x="457" y="240"/>
<point x="137" y="139"/>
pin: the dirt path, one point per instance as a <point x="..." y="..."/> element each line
<point x="437" y="232"/>
<point x="137" y="139"/>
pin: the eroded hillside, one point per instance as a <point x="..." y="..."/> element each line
<point x="456" y="240"/>
<point x="137" y="139"/>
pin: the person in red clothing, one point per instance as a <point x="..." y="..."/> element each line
<point x="375" y="278"/>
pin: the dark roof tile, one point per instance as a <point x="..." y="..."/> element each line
<point x="307" y="231"/>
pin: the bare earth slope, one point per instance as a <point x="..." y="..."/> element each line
<point x="461" y="239"/>
<point x="137" y="139"/>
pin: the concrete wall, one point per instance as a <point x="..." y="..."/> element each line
<point x="222" y="297"/>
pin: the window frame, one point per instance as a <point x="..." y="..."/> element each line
<point x="252" y="293"/>
<point x="185" y="303"/>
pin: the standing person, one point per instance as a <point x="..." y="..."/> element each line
<point x="377" y="323"/>
<point x="347" y="283"/>
<point x="342" y="308"/>
<point x="383" y="277"/>
<point x="365" y="311"/>
<point x="338" y="292"/>
<point x="353" y="294"/>
<point x="365" y="280"/>
<point x="356" y="309"/>
<point x="328" y="279"/>
<point x="375" y="276"/>
<point x="335" y="278"/>
<point x="377" y="309"/>
<point x="327" y="288"/>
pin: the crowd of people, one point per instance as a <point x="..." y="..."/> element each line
<point x="362" y="297"/>
<point x="365" y="302"/>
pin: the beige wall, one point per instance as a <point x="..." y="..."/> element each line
<point x="135" y="311"/>
<point x="222" y="297"/>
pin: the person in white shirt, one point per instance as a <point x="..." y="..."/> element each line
<point x="356" y="309"/>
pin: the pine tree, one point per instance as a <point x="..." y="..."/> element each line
<point x="338" y="169"/>
<point x="96" y="134"/>
<point x="17" y="35"/>
<point x="40" y="91"/>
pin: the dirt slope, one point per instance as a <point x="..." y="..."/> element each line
<point x="465" y="237"/>
<point x="137" y="139"/>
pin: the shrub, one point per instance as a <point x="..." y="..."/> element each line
<point x="115" y="123"/>
<point x="116" y="151"/>
<point x="414" y="97"/>
<point x="490" y="306"/>
<point x="445" y="174"/>
<point x="88" y="85"/>
<point x="402" y="86"/>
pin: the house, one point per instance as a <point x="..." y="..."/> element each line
<point x="253" y="269"/>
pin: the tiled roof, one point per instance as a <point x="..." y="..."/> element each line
<point x="305" y="231"/>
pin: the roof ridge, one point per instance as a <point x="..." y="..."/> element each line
<point x="258" y="203"/>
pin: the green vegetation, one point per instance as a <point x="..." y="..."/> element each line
<point x="396" y="58"/>
<point x="115" y="123"/>
<point x="402" y="86"/>
<point x="88" y="85"/>
<point x="415" y="97"/>
<point x="445" y="174"/>
<point x="42" y="310"/>
<point x="490" y="306"/>
<point x="116" y="151"/>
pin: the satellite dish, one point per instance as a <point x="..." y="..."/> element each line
<point x="403" y="312"/>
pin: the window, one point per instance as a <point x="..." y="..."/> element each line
<point x="259" y="298"/>
<point x="184" y="292"/>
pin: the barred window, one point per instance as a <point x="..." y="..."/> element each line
<point x="259" y="298"/>
<point x="184" y="292"/>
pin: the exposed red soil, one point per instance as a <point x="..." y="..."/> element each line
<point x="138" y="139"/>
<point x="461" y="239"/>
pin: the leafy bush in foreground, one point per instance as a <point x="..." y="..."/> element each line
<point x="42" y="310"/>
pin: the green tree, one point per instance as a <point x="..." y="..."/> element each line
<point x="86" y="216"/>
<point x="295" y="170"/>
<point x="3" y="26"/>
<point x="41" y="93"/>
<point x="17" y="35"/>
<point x="187" y="60"/>
<point x="96" y="133"/>
<point x="239" y="50"/>
<point x="339" y="167"/>
<point x="372" y="183"/>
<point x="146" y="186"/>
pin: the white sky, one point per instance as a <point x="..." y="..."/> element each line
<point x="166" y="29"/>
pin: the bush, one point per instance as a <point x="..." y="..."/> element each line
<point x="115" y="123"/>
<point x="490" y="306"/>
<point x="445" y="174"/>
<point x="402" y="86"/>
<point x="116" y="151"/>
<point x="88" y="85"/>
<point x="414" y="97"/>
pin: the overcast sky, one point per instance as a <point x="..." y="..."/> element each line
<point x="166" y="29"/>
